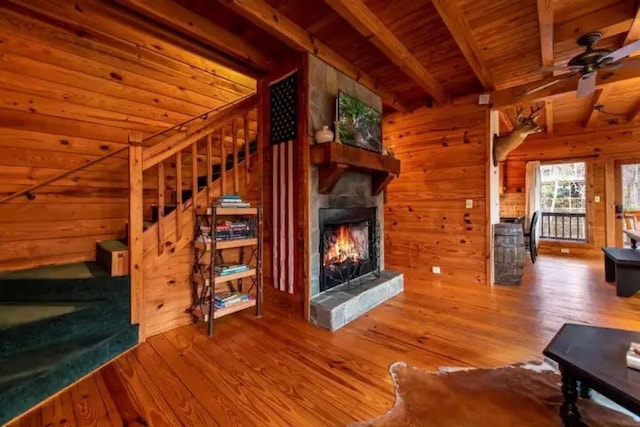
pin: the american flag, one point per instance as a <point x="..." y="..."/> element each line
<point x="284" y="124"/>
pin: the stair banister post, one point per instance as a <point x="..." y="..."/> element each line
<point x="135" y="242"/>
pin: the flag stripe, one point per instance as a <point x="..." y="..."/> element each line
<point x="274" y="209"/>
<point x="290" y="193"/>
<point x="283" y="228"/>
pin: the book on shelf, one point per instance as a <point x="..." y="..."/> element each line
<point x="225" y="270"/>
<point x="229" y="299"/>
<point x="233" y="205"/>
<point x="232" y="201"/>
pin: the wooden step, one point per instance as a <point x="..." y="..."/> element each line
<point x="113" y="257"/>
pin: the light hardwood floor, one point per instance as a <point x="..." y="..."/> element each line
<point x="279" y="370"/>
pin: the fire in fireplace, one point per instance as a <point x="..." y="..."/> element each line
<point x="349" y="245"/>
<point x="346" y="243"/>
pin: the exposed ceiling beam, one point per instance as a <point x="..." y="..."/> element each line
<point x="545" y="21"/>
<point x="187" y="22"/>
<point x="634" y="113"/>
<point x="506" y="121"/>
<point x="518" y="94"/>
<point x="454" y="19"/>
<point x="356" y="13"/>
<point x="548" y="116"/>
<point x="598" y="96"/>
<point x="270" y="19"/>
<point x="611" y="20"/>
<point x="634" y="31"/>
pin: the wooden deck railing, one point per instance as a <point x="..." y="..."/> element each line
<point x="563" y="226"/>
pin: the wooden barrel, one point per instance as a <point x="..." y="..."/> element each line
<point x="508" y="253"/>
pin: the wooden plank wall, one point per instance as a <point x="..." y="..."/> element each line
<point x="597" y="148"/>
<point x="443" y="155"/>
<point x="72" y="88"/>
<point x="167" y="278"/>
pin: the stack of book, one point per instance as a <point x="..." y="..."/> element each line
<point x="231" y="201"/>
<point x="229" y="299"/>
<point x="227" y="269"/>
<point x="230" y="230"/>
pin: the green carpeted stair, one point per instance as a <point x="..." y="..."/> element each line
<point x="58" y="324"/>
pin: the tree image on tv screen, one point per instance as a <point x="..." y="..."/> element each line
<point x="360" y="125"/>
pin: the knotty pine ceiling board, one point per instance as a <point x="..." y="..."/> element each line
<point x="419" y="27"/>
<point x="568" y="108"/>
<point x="238" y="25"/>
<point x="507" y="33"/>
<point x="316" y="17"/>
<point x="565" y="10"/>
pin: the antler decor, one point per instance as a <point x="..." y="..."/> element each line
<point x="503" y="145"/>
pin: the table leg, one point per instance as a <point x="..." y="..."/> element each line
<point x="609" y="269"/>
<point x="627" y="280"/>
<point x="569" y="411"/>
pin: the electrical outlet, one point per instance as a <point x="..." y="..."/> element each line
<point x="435" y="270"/>
<point x="596" y="199"/>
<point x="564" y="250"/>
<point x="469" y="203"/>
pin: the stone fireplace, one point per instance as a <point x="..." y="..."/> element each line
<point x="347" y="276"/>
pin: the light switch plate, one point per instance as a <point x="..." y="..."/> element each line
<point x="435" y="270"/>
<point x="596" y="199"/>
<point x="469" y="203"/>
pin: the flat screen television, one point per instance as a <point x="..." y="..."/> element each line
<point x="360" y="125"/>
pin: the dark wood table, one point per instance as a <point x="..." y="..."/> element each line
<point x="634" y="236"/>
<point x="595" y="357"/>
<point x="622" y="266"/>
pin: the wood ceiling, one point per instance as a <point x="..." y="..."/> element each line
<point x="412" y="52"/>
<point x="429" y="52"/>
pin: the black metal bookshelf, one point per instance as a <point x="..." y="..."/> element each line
<point x="209" y="248"/>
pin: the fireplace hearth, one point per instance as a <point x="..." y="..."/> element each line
<point x="349" y="246"/>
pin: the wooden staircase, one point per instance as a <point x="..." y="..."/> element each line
<point x="149" y="159"/>
<point x="187" y="154"/>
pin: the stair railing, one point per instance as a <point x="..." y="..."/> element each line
<point x="177" y="130"/>
<point x="171" y="151"/>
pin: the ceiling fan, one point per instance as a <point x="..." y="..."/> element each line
<point x="589" y="62"/>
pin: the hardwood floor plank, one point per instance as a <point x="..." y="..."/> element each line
<point x="210" y="393"/>
<point x="88" y="405"/>
<point x="110" y="406"/>
<point x="59" y="411"/>
<point x="127" y="408"/>
<point x="274" y="391"/>
<point x="182" y="401"/>
<point x="147" y="396"/>
<point x="258" y="412"/>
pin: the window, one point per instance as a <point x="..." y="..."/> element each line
<point x="563" y="201"/>
<point x="631" y="187"/>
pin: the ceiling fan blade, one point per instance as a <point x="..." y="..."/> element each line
<point x="586" y="85"/>
<point x="560" y="68"/>
<point x="623" y="52"/>
<point x="551" y="83"/>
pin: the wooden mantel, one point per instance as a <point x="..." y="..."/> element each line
<point x="334" y="159"/>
